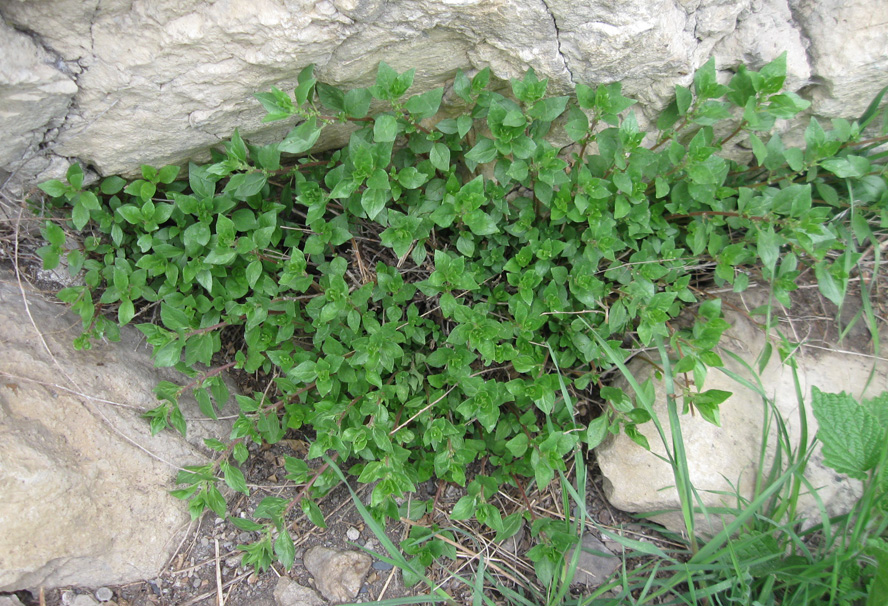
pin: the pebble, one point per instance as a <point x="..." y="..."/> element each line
<point x="233" y="561"/>
<point x="196" y="583"/>
<point x="353" y="533"/>
<point x="103" y="594"/>
<point x="245" y="537"/>
<point x="382" y="565"/>
<point x="83" y="600"/>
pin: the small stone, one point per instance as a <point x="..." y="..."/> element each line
<point x="382" y="566"/>
<point x="593" y="569"/>
<point x="353" y="533"/>
<point x="338" y="574"/>
<point x="9" y="600"/>
<point x="253" y="579"/>
<point x="290" y="593"/>
<point x="103" y="594"/>
<point x="195" y="583"/>
<point x="245" y="537"/>
<point x="233" y="561"/>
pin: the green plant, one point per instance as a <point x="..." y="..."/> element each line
<point x="507" y="273"/>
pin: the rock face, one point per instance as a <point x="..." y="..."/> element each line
<point x="338" y="574"/>
<point x="722" y="458"/>
<point x="119" y="83"/>
<point x="85" y="486"/>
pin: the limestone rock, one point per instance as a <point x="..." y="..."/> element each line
<point x="338" y="574"/>
<point x="291" y="593"/>
<point x="593" y="569"/>
<point x="721" y="458"/>
<point x="34" y="95"/>
<point x="162" y="82"/>
<point x="85" y="486"/>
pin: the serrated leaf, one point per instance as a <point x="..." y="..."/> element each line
<point x="850" y="435"/>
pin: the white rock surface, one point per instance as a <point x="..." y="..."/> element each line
<point x="84" y="484"/>
<point x="726" y="456"/>
<point x="160" y="82"/>
<point x="34" y="95"/>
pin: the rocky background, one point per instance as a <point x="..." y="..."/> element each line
<point x="119" y="83"/>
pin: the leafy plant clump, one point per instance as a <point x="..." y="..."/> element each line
<point x="430" y="299"/>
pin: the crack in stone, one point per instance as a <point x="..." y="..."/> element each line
<point x="558" y="41"/>
<point x="799" y="26"/>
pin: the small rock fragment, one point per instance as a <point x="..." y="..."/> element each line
<point x="382" y="566"/>
<point x="103" y="594"/>
<point x="9" y="600"/>
<point x="592" y="569"/>
<point x="338" y="574"/>
<point x="84" y="600"/>
<point x="353" y="533"/>
<point x="291" y="593"/>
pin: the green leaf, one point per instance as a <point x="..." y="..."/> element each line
<point x="440" y="157"/>
<point x="480" y="223"/>
<point x="313" y="513"/>
<point x="284" y="549"/>
<point x="330" y="96"/>
<point x="167" y="174"/>
<point x="357" y="102"/>
<point x="79" y="216"/>
<point x="173" y="318"/>
<point x="518" y="445"/>
<point x="75" y="176"/>
<point x="683" y="99"/>
<point x="385" y="128"/>
<point x="464" y="508"/>
<point x="851" y="436"/>
<point x="483" y="152"/>
<point x="547" y="110"/>
<point x="596" y="431"/>
<point x="425" y="105"/>
<point x="234" y="477"/>
<point x="411" y="178"/>
<point x="373" y="201"/>
<point x="54" y="188"/>
<point x="302" y="138"/>
<point x="768" y="247"/>
<point x="111" y="185"/>
<point x="125" y="312"/>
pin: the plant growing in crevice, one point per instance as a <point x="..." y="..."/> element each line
<point x="408" y="295"/>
